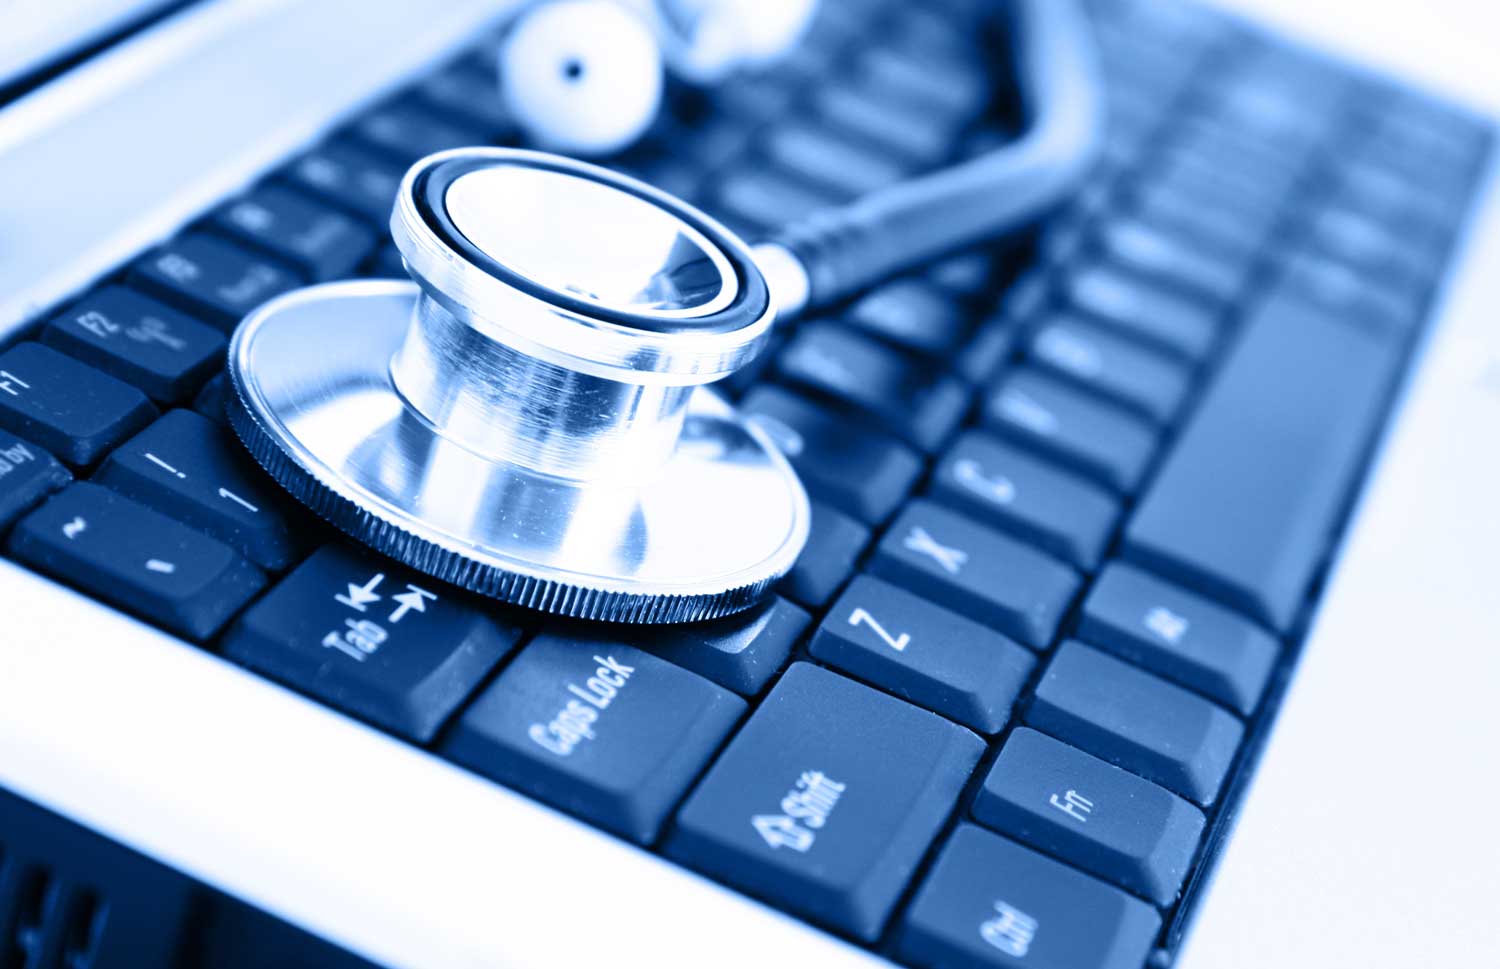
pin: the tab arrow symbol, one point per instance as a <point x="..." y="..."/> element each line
<point x="411" y="601"/>
<point x="362" y="595"/>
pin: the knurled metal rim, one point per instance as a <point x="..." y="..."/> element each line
<point x="491" y="570"/>
<point x="448" y="565"/>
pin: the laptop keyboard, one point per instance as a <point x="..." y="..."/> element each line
<point x="1073" y="493"/>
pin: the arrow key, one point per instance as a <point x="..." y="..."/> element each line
<point x="373" y="639"/>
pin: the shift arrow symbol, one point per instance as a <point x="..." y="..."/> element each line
<point x="362" y="595"/>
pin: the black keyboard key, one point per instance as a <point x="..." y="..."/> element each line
<point x="1116" y="368"/>
<point x="405" y="130"/>
<point x="950" y="83"/>
<point x="923" y="653"/>
<point x="988" y="903"/>
<point x="740" y="653"/>
<point x="1156" y="254"/>
<point x="27" y="475"/>
<point x="1003" y="486"/>
<point x="832" y="164"/>
<point x="1178" y="635"/>
<point x="210" y="400"/>
<point x="596" y="728"/>
<point x="470" y="96"/>
<point x="835" y="542"/>
<point x="138" y="559"/>
<point x="965" y="276"/>
<point x="1384" y="255"/>
<point x="319" y="242"/>
<point x="1311" y="283"/>
<point x="912" y="400"/>
<point x="1244" y="506"/>
<point x="192" y="469"/>
<point x="1136" y="721"/>
<point x="372" y="639"/>
<point x="70" y="409"/>
<point x="912" y="314"/>
<point x="1091" y="814"/>
<point x="763" y="200"/>
<point x="1187" y="208"/>
<point x="826" y="800"/>
<point x="1091" y="437"/>
<point x="355" y="179"/>
<point x="977" y="572"/>
<point x="1366" y="186"/>
<point x="1173" y="322"/>
<point x="860" y="471"/>
<point x="905" y="131"/>
<point x="139" y="340"/>
<point x="215" y="280"/>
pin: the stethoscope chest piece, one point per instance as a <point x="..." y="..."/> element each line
<point x="527" y="419"/>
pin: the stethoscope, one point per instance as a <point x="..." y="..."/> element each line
<point x="529" y="417"/>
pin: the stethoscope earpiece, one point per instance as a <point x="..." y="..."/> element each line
<point x="585" y="76"/>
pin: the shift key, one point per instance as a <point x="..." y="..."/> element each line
<point x="827" y="800"/>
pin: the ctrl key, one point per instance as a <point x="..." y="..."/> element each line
<point x="990" y="902"/>
<point x="827" y="800"/>
<point x="136" y="558"/>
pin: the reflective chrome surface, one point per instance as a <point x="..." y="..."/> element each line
<point x="721" y="518"/>
<point x="582" y="237"/>
<point x="529" y="292"/>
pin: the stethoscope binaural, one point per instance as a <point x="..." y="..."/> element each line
<point x="528" y="418"/>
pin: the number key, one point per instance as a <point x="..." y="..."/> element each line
<point x="933" y="657"/>
<point x="188" y="467"/>
<point x="319" y="242"/>
<point x="211" y="278"/>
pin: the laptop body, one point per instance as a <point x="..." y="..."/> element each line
<point x="404" y="859"/>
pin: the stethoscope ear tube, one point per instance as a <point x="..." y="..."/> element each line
<point x="848" y="249"/>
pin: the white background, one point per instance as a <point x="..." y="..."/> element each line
<point x="1449" y="44"/>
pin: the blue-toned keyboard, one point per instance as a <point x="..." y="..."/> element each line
<point x="1073" y="492"/>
